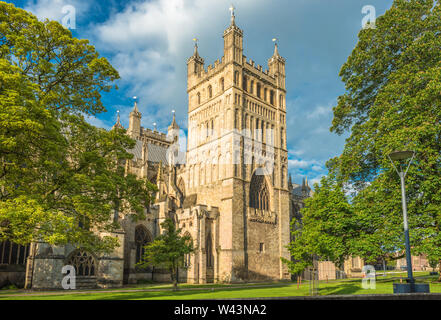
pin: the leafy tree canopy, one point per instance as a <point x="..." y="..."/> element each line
<point x="60" y="177"/>
<point x="392" y="102"/>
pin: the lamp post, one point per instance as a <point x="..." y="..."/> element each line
<point x="402" y="156"/>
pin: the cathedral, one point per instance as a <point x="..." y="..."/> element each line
<point x="228" y="189"/>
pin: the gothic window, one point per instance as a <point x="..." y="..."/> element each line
<point x="83" y="262"/>
<point x="12" y="253"/>
<point x="258" y="90"/>
<point x="265" y="94"/>
<point x="245" y="83"/>
<point x="199" y="98"/>
<point x="210" y="91"/>
<point x="252" y="87"/>
<point x="142" y="238"/>
<point x="209" y="251"/>
<point x="259" y="193"/>
<point x="236" y="78"/>
<point x="281" y="101"/>
<point x="222" y="85"/>
<point x="272" y="97"/>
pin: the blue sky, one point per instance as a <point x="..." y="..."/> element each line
<point x="148" y="42"/>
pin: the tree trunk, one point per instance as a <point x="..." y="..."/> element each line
<point x="439" y="270"/>
<point x="174" y="276"/>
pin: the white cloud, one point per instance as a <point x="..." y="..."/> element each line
<point x="320" y="111"/>
<point x="301" y="164"/>
<point x="97" y="122"/>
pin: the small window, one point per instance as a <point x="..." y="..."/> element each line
<point x="199" y="98"/>
<point x="222" y="85"/>
<point x="261" y="247"/>
<point x="210" y="92"/>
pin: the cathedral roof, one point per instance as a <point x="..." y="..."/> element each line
<point x="155" y="153"/>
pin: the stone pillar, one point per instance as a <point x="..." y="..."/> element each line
<point x="202" y="256"/>
<point x="216" y="247"/>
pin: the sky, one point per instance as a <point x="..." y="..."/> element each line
<point x="149" y="41"/>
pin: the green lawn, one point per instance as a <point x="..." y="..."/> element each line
<point x="191" y="292"/>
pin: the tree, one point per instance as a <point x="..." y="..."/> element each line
<point x="60" y="177"/>
<point x="326" y="229"/>
<point x="392" y="102"/>
<point x="168" y="250"/>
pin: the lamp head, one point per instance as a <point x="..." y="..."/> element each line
<point x="401" y="155"/>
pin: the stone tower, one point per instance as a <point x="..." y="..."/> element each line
<point x="237" y="158"/>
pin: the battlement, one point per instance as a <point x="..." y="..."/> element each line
<point x="213" y="68"/>
<point x="146" y="132"/>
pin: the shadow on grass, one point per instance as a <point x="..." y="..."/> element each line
<point x="185" y="294"/>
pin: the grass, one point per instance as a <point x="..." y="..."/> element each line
<point x="219" y="291"/>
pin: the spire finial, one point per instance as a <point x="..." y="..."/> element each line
<point x="135" y="107"/>
<point x="276" y="49"/>
<point x="173" y="124"/>
<point x="195" y="40"/>
<point x="233" y="17"/>
<point x="118" y="121"/>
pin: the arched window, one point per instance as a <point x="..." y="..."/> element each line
<point x="252" y="87"/>
<point x="258" y="90"/>
<point x="222" y="85"/>
<point x="245" y="83"/>
<point x="209" y="251"/>
<point x="12" y="253"/>
<point x="210" y="92"/>
<point x="142" y="238"/>
<point x="259" y="193"/>
<point x="83" y="262"/>
<point x="199" y="98"/>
